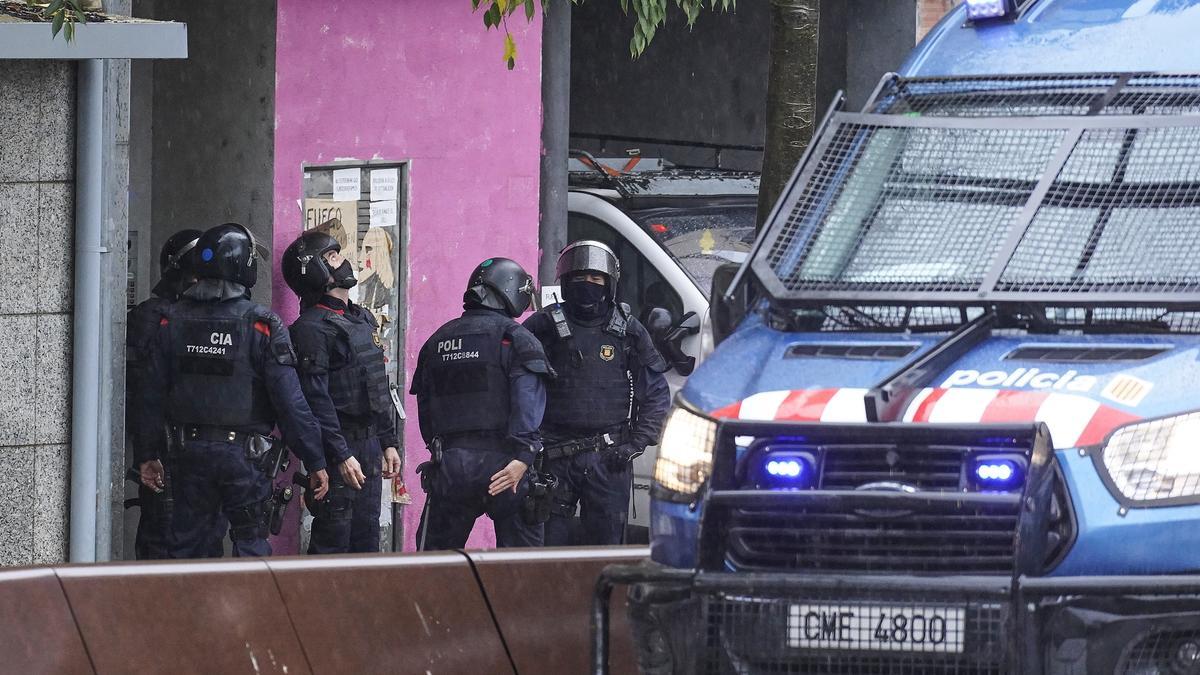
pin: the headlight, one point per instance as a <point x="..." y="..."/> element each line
<point x="686" y="452"/>
<point x="1156" y="460"/>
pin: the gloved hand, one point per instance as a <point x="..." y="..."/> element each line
<point x="620" y="456"/>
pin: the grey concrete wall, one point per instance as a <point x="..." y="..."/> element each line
<point x="213" y="130"/>
<point x="709" y="84"/>
<point x="37" y="171"/>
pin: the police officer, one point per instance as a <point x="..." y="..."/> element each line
<point x="607" y="403"/>
<point x="343" y="374"/>
<point x="155" y="505"/>
<point x="223" y="376"/>
<point x="480" y="385"/>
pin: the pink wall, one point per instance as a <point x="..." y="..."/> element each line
<point x="415" y="80"/>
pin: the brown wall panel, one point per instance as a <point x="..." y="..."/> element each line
<point x="38" y="634"/>
<point x="212" y="617"/>
<point x="543" y="602"/>
<point x="418" y="613"/>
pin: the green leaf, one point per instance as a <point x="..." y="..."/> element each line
<point x="80" y="16"/>
<point x="53" y="7"/>
<point x="474" y="5"/>
<point x="69" y="33"/>
<point x="511" y="64"/>
<point x="57" y="25"/>
<point x="529" y="9"/>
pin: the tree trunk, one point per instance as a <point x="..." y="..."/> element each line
<point x="791" y="94"/>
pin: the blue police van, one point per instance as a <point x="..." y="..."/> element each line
<point x="953" y="422"/>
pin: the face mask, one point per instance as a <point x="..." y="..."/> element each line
<point x="343" y="276"/>
<point x="585" y="296"/>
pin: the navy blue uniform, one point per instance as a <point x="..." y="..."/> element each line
<point x="223" y="373"/>
<point x="606" y="405"/>
<point x="342" y="373"/>
<point x="480" y="388"/>
<point x="154" y="519"/>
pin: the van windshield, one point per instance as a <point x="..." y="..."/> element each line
<point x="702" y="238"/>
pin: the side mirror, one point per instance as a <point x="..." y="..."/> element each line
<point x="668" y="337"/>
<point x="726" y="315"/>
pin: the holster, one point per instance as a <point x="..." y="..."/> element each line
<point x="280" y="497"/>
<point x="536" y="507"/>
<point x="426" y="469"/>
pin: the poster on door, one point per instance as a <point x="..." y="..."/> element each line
<point x="339" y="219"/>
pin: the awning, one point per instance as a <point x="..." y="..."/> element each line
<point x="118" y="37"/>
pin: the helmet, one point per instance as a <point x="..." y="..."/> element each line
<point x="227" y="252"/>
<point x="177" y="253"/>
<point x="500" y="283"/>
<point x="589" y="255"/>
<point x="304" y="267"/>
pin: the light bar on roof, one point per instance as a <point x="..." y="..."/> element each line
<point x="978" y="10"/>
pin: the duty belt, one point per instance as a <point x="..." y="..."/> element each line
<point x="471" y="438"/>
<point x="576" y="446"/>
<point x="190" y="432"/>
<point x="359" y="433"/>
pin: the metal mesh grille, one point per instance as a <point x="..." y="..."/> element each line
<point x="970" y="212"/>
<point x="1153" y="461"/>
<point x="836" y="632"/>
<point x="908" y="209"/>
<point x="1164" y="652"/>
<point x="1039" y="95"/>
<point x="1122" y="216"/>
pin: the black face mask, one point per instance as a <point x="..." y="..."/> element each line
<point x="343" y="276"/>
<point x="585" y="298"/>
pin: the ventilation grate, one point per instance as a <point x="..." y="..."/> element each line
<point x="1084" y="353"/>
<point x="869" y="351"/>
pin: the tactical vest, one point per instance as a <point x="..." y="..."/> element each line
<point x="467" y="382"/>
<point x="593" y="389"/>
<point x="360" y="386"/>
<point x="213" y="378"/>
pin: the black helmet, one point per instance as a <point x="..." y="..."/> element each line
<point x="589" y="255"/>
<point x="176" y="254"/>
<point x="304" y="267"/>
<point x="500" y="283"/>
<point x="227" y="252"/>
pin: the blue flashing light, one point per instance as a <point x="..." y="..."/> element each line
<point x="785" y="468"/>
<point x="1000" y="472"/>
<point x="987" y="9"/>
<point x="206" y="255"/>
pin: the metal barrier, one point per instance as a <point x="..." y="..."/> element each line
<point x="39" y="634"/>
<point x="541" y="601"/>
<point x="519" y="611"/>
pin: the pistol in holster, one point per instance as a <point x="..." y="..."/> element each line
<point x="427" y="468"/>
<point x="268" y="454"/>
<point x="539" y="502"/>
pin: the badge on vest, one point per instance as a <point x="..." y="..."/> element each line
<point x="378" y="342"/>
<point x="607" y="352"/>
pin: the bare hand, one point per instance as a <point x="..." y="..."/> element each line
<point x="352" y="473"/>
<point x="391" y="463"/>
<point x="152" y="475"/>
<point x="318" y="484"/>
<point x="508" y="477"/>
